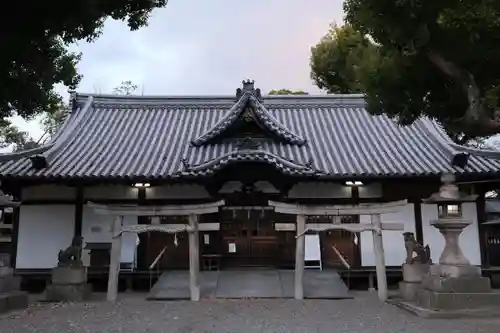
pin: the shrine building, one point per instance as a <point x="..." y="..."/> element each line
<point x="241" y="151"/>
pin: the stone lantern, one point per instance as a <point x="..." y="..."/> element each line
<point x="450" y="223"/>
<point x="452" y="285"/>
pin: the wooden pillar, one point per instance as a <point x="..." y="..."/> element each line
<point x="378" y="248"/>
<point x="114" y="265"/>
<point x="299" y="257"/>
<point x="419" y="231"/>
<point x="481" y="218"/>
<point x="78" y="211"/>
<point x="194" y="258"/>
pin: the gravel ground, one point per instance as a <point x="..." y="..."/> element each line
<point x="134" y="314"/>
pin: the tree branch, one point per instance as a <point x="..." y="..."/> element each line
<point x="477" y="118"/>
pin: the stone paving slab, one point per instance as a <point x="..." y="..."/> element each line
<point x="250" y="284"/>
<point x="132" y="313"/>
<point x="317" y="284"/>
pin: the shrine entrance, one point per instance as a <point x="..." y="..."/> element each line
<point x="248" y="238"/>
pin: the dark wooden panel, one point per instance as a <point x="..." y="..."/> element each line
<point x="344" y="242"/>
<point x="493" y="245"/>
<point x="175" y="257"/>
<point x="254" y="237"/>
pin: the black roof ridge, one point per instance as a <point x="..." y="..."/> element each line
<point x="124" y="99"/>
<point x="132" y="96"/>
<point x="256" y="155"/>
<point x="445" y="141"/>
<point x="61" y="137"/>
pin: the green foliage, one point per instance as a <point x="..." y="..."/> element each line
<point x="287" y="92"/>
<point x="10" y="135"/>
<point x="337" y="61"/>
<point x="418" y="57"/>
<point x="35" y="37"/>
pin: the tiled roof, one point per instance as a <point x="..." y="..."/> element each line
<point x="171" y="137"/>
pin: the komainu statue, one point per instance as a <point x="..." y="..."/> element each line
<point x="412" y="246"/>
<point x="72" y="255"/>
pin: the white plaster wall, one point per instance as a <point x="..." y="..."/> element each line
<point x="91" y="219"/>
<point x="394" y="248"/>
<point x="110" y="192"/>
<point x="319" y="190"/>
<point x="43" y="231"/>
<point x="48" y="192"/>
<point x="469" y="239"/>
<point x="180" y="191"/>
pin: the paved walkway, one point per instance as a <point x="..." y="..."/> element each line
<point x="250" y="284"/>
<point x="132" y="313"/>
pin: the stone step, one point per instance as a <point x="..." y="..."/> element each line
<point x="13" y="301"/>
<point x="9" y="283"/>
<point x="250" y="284"/>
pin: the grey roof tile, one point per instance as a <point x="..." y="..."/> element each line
<point x="326" y="136"/>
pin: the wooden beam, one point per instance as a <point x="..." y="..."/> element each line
<point x="114" y="265"/>
<point x="166" y="210"/>
<point x="360" y="209"/>
<point x="356" y="227"/>
<point x="299" y="258"/>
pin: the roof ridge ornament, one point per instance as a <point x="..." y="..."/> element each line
<point x="249" y="97"/>
<point x="249" y="88"/>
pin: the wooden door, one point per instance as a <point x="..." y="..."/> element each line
<point x="249" y="240"/>
<point x="345" y="242"/>
<point x="175" y="256"/>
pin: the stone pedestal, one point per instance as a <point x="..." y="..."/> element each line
<point x="11" y="298"/>
<point x="456" y="288"/>
<point x="453" y="287"/>
<point x="413" y="275"/>
<point x="69" y="284"/>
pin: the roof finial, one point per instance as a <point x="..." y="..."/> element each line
<point x="248" y="86"/>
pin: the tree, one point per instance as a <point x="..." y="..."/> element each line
<point x="35" y="39"/>
<point x="286" y="92"/>
<point x="125" y="88"/>
<point x="338" y="60"/>
<point x="11" y="135"/>
<point x="432" y="58"/>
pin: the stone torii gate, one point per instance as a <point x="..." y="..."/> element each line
<point x="376" y="226"/>
<point x="191" y="210"/>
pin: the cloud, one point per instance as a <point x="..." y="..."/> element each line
<point x="207" y="47"/>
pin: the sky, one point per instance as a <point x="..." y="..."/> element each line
<point x="200" y="47"/>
